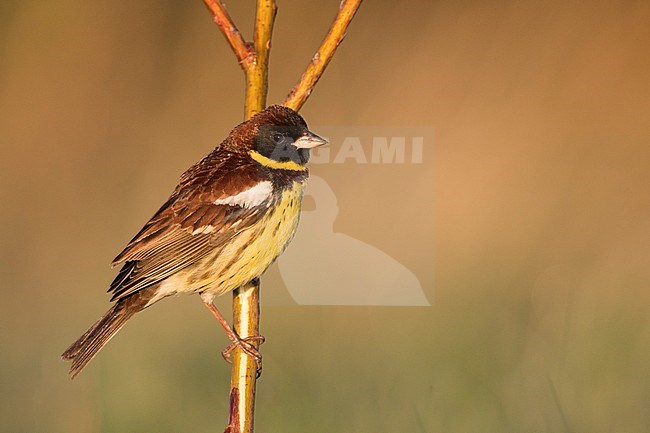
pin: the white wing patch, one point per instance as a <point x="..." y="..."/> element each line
<point x="252" y="197"/>
<point x="207" y="229"/>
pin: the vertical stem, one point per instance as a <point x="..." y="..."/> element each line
<point x="257" y="72"/>
<point x="243" y="379"/>
<point x="246" y="300"/>
<point x="254" y="60"/>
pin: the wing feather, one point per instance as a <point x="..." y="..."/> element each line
<point x="188" y="227"/>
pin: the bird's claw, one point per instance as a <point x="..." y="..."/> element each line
<point x="248" y="348"/>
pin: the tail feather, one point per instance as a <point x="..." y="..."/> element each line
<point x="82" y="351"/>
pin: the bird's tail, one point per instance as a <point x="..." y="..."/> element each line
<point x="86" y="347"/>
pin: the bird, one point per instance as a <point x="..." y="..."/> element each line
<point x="231" y="215"/>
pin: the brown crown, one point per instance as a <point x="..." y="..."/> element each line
<point x="241" y="137"/>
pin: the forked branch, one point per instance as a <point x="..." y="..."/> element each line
<point x="253" y="58"/>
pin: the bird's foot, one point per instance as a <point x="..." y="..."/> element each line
<point x="246" y="346"/>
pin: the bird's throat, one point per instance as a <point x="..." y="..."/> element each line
<point x="272" y="163"/>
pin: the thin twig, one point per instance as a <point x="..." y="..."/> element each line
<point x="239" y="46"/>
<point x="318" y="63"/>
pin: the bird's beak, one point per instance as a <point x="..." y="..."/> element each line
<point x="309" y="141"/>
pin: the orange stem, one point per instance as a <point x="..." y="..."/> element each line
<point x="240" y="47"/>
<point x="321" y="59"/>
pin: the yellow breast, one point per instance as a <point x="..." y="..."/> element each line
<point x="247" y="255"/>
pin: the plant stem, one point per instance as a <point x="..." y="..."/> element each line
<point x="243" y="378"/>
<point x="257" y="71"/>
<point x="254" y="60"/>
<point x="246" y="300"/>
<point x="321" y="59"/>
<point x="240" y="47"/>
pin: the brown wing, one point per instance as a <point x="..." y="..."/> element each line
<point x="189" y="225"/>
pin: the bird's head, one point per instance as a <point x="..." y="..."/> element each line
<point x="280" y="138"/>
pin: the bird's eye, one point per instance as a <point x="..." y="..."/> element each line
<point x="277" y="138"/>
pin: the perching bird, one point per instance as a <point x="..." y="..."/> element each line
<point x="232" y="214"/>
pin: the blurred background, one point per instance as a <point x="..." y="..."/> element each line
<point x="531" y="205"/>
